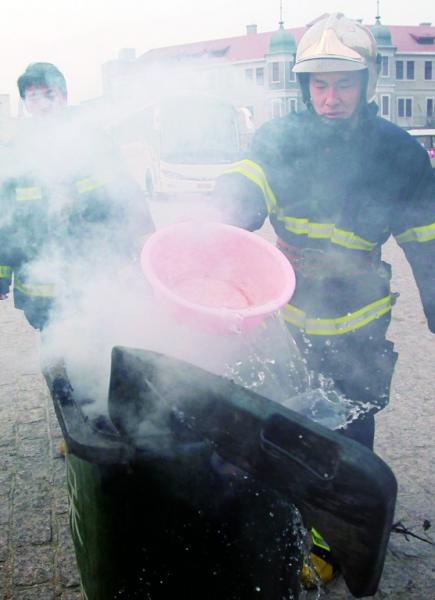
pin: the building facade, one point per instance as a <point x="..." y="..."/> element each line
<point x="255" y="70"/>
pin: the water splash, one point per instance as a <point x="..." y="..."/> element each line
<point x="270" y="364"/>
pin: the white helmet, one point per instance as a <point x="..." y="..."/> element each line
<point x="335" y="43"/>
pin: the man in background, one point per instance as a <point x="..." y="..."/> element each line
<point x="69" y="207"/>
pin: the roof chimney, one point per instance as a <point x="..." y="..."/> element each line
<point x="251" y="29"/>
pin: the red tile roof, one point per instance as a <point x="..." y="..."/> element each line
<point x="255" y="45"/>
<point x="406" y="38"/>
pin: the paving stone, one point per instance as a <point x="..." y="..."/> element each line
<point x="33" y="430"/>
<point x="6" y="482"/>
<point x="58" y="471"/>
<point x="34" y="448"/>
<point x="65" y="556"/>
<point x="71" y="595"/>
<point x="5" y="510"/>
<point x="60" y="500"/>
<point x="5" y="587"/>
<point x="32" y="415"/>
<point x="32" y="527"/>
<point x="34" y="495"/>
<point x="32" y="469"/>
<point x="4" y="542"/>
<point x="33" y="565"/>
<point x="31" y="382"/>
<point x="39" y="592"/>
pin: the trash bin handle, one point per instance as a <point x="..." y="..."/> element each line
<point x="284" y="440"/>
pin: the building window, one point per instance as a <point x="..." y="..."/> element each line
<point x="404" y="107"/>
<point x="410" y="69"/>
<point x="385" y="106"/>
<point x="292" y="74"/>
<point x="276" y="108"/>
<point x="385" y="66"/>
<point x="275" y="72"/>
<point x="259" y="76"/>
<point x="405" y="69"/>
<point x="399" y="69"/>
<point x="248" y="74"/>
<point x="430" y="108"/>
<point x="428" y="70"/>
<point x="292" y="105"/>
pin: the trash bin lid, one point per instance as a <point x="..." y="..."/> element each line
<point x="341" y="488"/>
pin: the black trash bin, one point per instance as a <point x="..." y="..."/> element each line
<point x="189" y="489"/>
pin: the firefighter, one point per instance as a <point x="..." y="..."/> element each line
<point x="69" y="207"/>
<point x="336" y="181"/>
<point x="43" y="90"/>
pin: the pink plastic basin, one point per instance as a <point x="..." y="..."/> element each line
<point x="215" y="276"/>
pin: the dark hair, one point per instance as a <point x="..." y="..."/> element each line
<point x="41" y="74"/>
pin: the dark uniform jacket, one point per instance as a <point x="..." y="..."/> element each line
<point x="334" y="196"/>
<point x="68" y="209"/>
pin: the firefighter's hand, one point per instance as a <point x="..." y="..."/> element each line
<point x="3" y="296"/>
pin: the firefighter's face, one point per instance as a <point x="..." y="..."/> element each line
<point x="335" y="95"/>
<point x="41" y="100"/>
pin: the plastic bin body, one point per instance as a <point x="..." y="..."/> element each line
<point x="203" y="505"/>
<point x="199" y="534"/>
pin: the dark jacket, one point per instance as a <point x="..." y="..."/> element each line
<point x="334" y="197"/>
<point x="70" y="205"/>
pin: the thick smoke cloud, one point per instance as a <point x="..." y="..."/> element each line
<point x="89" y="251"/>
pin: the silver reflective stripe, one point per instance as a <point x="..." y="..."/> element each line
<point x="351" y="240"/>
<point x="252" y="171"/>
<point x="39" y="290"/>
<point x="25" y="194"/>
<point x="88" y="185"/>
<point x="338" y="325"/>
<point x="417" y="234"/>
<point x="340" y="237"/>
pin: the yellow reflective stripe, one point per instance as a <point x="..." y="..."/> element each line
<point x="23" y="194"/>
<point x="294" y="315"/>
<point x="88" y="185"/>
<point x="339" y="325"/>
<point x="417" y="234"/>
<point x="340" y="237"/>
<point x="5" y="271"/>
<point x="318" y="540"/>
<point x="41" y="290"/>
<point x="252" y="171"/>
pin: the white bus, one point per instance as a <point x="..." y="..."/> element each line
<point x="426" y="137"/>
<point x="181" y="144"/>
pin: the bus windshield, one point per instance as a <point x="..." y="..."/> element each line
<point x="198" y="131"/>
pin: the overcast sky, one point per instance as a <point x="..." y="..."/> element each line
<point x="79" y="35"/>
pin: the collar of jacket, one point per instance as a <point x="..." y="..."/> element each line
<point x="345" y="128"/>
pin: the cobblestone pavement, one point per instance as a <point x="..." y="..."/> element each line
<point x="36" y="556"/>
